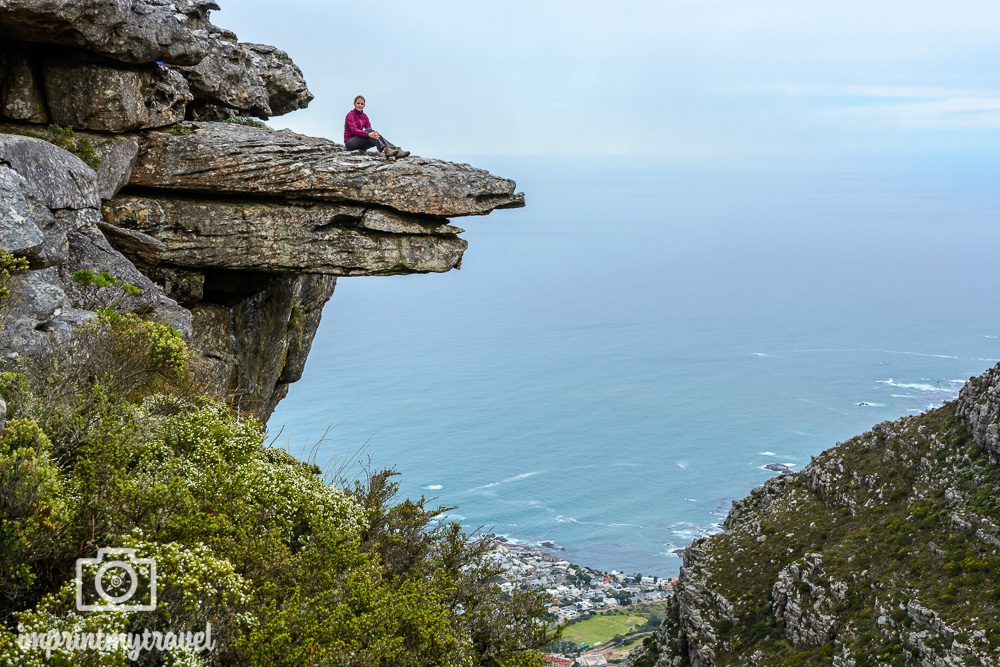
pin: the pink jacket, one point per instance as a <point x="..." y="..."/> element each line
<point x="356" y="124"/>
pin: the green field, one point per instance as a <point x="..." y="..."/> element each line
<point x="601" y="628"/>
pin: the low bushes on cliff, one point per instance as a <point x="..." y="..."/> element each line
<point x="109" y="444"/>
<point x="883" y="551"/>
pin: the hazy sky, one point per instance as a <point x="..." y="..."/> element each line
<point x="688" y="80"/>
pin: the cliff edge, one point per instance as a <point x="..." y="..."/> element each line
<point x="884" y="550"/>
<point x="128" y="148"/>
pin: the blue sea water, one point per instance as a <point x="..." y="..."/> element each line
<point x="616" y="362"/>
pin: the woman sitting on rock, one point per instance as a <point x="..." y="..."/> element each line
<point x="359" y="135"/>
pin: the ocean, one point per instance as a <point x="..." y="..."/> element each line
<point x="618" y="361"/>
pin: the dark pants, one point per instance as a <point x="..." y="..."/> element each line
<point x="364" y="143"/>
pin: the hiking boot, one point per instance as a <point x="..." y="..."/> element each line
<point x="389" y="151"/>
<point x="401" y="153"/>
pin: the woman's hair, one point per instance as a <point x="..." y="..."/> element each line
<point x="360" y="97"/>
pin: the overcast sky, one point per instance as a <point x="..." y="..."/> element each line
<point x="689" y="80"/>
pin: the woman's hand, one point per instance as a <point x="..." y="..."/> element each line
<point x="373" y="134"/>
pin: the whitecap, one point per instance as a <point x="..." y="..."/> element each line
<point x="683" y="465"/>
<point x="434" y="487"/>
<point x="687" y="531"/>
<point x="903" y="352"/>
<point x="671" y="548"/>
<point x="515" y="478"/>
<point x="916" y="386"/>
<point x="766" y="454"/>
<point x="759" y="354"/>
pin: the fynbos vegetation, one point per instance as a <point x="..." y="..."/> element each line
<point x="109" y="444"/>
<point x="883" y="551"/>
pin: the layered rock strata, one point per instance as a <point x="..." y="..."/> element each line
<point x="235" y="234"/>
<point x="882" y="551"/>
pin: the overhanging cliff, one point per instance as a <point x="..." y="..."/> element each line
<point x="234" y="233"/>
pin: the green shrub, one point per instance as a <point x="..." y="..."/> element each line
<point x="162" y="345"/>
<point x="179" y="130"/>
<point x="107" y="292"/>
<point x="35" y="513"/>
<point x="82" y="147"/>
<point x="288" y="569"/>
<point x="9" y="265"/>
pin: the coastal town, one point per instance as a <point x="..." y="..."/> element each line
<point x="577" y="592"/>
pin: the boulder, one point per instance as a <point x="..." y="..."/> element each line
<point x="249" y="79"/>
<point x="36" y="297"/>
<point x="236" y="159"/>
<point x="18" y="232"/>
<point x="98" y="96"/>
<point x="281" y="238"/>
<point x="117" y="153"/>
<point x="131" y="31"/>
<point x="226" y="77"/>
<point x="53" y="177"/>
<point x="286" y="87"/>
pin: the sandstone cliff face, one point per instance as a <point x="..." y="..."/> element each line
<point x="883" y="551"/>
<point x="234" y="233"/>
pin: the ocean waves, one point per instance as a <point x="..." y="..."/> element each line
<point x="927" y="386"/>
<point x="508" y="480"/>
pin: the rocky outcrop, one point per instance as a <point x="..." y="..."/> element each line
<point x="227" y="158"/>
<point x="276" y="237"/>
<point x="113" y="99"/>
<point x="131" y="31"/>
<point x="883" y="550"/>
<point x="238" y="78"/>
<point x="803" y="599"/>
<point x="127" y="65"/>
<point x="233" y="233"/>
<point x="50" y="208"/>
<point x="979" y="408"/>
